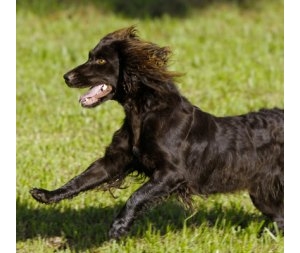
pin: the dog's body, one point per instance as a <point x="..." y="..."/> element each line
<point x="182" y="149"/>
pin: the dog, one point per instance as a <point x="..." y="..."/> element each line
<point x="182" y="150"/>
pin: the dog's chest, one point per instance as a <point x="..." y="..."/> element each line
<point x="143" y="131"/>
<point x="136" y="152"/>
<point x="144" y="154"/>
<point x="144" y="160"/>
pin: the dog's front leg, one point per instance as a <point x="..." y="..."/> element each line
<point x="92" y="177"/>
<point x="112" y="166"/>
<point x="158" y="187"/>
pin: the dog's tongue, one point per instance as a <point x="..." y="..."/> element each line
<point x="93" y="95"/>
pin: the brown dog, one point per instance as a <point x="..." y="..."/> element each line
<point x="182" y="149"/>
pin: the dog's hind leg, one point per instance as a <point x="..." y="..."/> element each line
<point x="269" y="199"/>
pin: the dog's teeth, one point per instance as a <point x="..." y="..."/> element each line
<point x="104" y="87"/>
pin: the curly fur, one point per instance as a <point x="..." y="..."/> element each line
<point x="180" y="148"/>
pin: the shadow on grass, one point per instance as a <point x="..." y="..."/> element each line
<point x="88" y="228"/>
<point x="135" y="8"/>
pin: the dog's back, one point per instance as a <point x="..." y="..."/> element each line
<point x="245" y="152"/>
<point x="232" y="153"/>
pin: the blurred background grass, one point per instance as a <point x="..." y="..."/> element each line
<point x="232" y="55"/>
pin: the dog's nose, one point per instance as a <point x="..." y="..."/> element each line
<point x="67" y="77"/>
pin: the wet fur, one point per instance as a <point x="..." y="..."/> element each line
<point x="180" y="148"/>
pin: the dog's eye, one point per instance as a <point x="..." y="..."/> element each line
<point x="101" y="61"/>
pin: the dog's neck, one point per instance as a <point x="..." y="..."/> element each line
<point x="147" y="100"/>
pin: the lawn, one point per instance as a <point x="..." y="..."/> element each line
<point x="231" y="54"/>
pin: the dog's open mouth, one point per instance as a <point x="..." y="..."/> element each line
<point x="95" y="95"/>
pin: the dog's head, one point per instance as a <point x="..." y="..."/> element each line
<point x="117" y="66"/>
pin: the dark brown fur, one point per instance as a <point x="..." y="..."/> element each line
<point x="180" y="148"/>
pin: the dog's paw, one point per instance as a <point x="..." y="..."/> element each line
<point x="116" y="232"/>
<point x="40" y="195"/>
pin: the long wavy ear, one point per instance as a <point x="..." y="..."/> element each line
<point x="142" y="61"/>
<point x="155" y="73"/>
<point x="148" y="61"/>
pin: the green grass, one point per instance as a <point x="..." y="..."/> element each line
<point x="232" y="57"/>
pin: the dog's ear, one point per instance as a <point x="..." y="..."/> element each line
<point x="143" y="62"/>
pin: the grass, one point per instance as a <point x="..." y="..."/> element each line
<point x="232" y="57"/>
